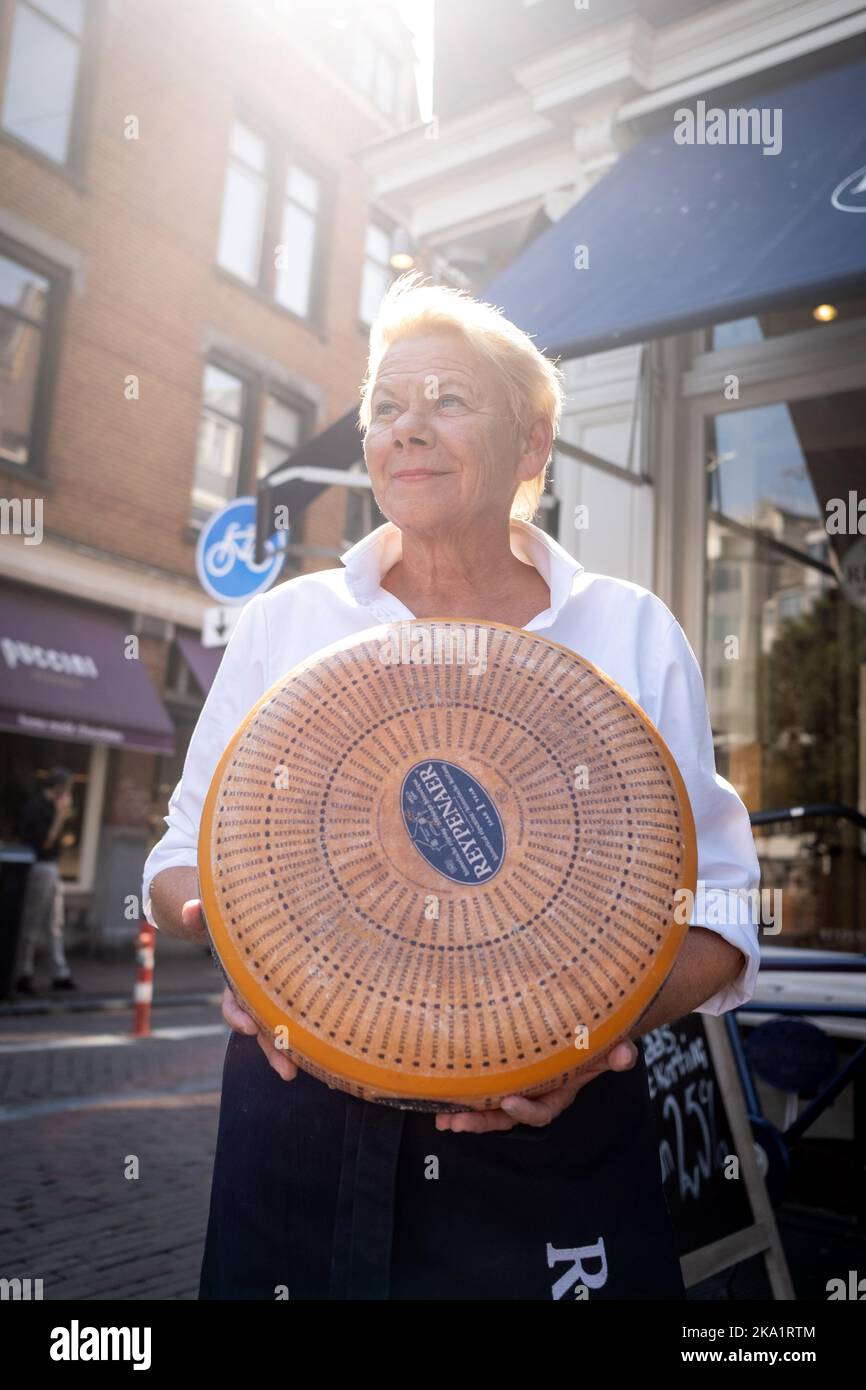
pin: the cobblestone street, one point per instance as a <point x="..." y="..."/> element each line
<point x="79" y="1097"/>
<point x="77" y="1100"/>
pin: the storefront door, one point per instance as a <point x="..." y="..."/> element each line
<point x="775" y="534"/>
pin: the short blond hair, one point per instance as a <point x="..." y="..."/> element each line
<point x="534" y="385"/>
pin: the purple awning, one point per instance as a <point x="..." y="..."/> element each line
<point x="202" y="661"/>
<point x="65" y="673"/>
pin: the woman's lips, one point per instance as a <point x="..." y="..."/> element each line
<point x="415" y="475"/>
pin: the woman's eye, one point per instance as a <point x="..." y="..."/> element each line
<point x="385" y="407"/>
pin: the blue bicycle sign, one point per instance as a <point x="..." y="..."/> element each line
<point x="225" y="554"/>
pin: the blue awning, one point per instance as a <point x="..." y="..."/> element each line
<point x="683" y="235"/>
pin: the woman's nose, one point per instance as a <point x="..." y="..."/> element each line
<point x="413" y="426"/>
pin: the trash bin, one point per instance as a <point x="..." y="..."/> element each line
<point x="15" y="861"/>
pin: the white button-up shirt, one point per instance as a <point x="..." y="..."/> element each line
<point x="621" y="628"/>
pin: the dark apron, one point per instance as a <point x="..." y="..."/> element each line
<point x="317" y="1195"/>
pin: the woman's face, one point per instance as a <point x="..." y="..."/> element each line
<point x="440" y="449"/>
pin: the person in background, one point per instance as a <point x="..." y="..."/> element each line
<point x="40" y="825"/>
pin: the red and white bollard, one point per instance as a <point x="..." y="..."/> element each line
<point x="143" y="993"/>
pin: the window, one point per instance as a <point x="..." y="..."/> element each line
<point x="362" y="514"/>
<point x="43" y="77"/>
<point x="376" y="276"/>
<point x="233" y="397"/>
<point x="243" y="215"/>
<point x="282" y="431"/>
<point x="739" y="332"/>
<point x="24" y="763"/>
<point x="272" y="224"/>
<point x="220" y="441"/>
<point x="29" y="311"/>
<point x="374" y="72"/>
<point x="787" y="705"/>
<point x="296" y="251"/>
<point x="364" y="61"/>
<point x="386" y="84"/>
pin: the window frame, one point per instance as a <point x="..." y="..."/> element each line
<point x="381" y="56"/>
<point x="257" y="387"/>
<point x="266" y="175"/>
<point x="775" y="371"/>
<point x="291" y="400"/>
<point x="384" y="59"/>
<point x="374" y="218"/>
<point x="73" y="167"/>
<point x="282" y="151"/>
<point x="49" y="357"/>
<point x="246" y="419"/>
<point x="361" y="37"/>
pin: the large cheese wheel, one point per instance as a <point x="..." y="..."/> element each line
<point x="439" y="863"/>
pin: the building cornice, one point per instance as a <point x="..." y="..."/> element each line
<point x="590" y="90"/>
<point x="677" y="79"/>
<point x="503" y="195"/>
<point x="617" y="57"/>
<point x="417" y="157"/>
<point x="75" y="571"/>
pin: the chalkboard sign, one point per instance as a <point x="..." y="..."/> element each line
<point x="702" y="1123"/>
<point x="695" y="1140"/>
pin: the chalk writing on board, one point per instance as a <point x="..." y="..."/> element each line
<point x="691" y="1149"/>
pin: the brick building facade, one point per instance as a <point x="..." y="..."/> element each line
<point x="188" y="255"/>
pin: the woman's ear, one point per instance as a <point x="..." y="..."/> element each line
<point x="535" y="448"/>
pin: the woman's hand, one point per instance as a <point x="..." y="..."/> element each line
<point x="235" y="1016"/>
<point x="239" y="1020"/>
<point x="520" y="1110"/>
<point x="175" y="905"/>
<point x="193" y="922"/>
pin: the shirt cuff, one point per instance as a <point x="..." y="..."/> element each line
<point x="743" y="935"/>
<point x="180" y="860"/>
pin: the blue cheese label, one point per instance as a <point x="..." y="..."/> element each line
<point x="452" y="822"/>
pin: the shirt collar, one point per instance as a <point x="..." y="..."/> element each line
<point x="368" y="561"/>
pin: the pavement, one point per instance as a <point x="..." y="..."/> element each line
<point x="108" y="1142"/>
<point x="108" y="1147"/>
<point x="183" y="974"/>
<point x="84" y="1105"/>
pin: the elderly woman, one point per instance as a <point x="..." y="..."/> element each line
<point x="317" y="1194"/>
